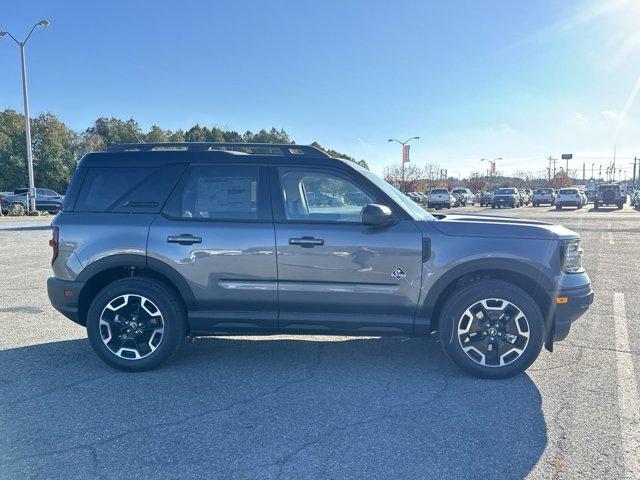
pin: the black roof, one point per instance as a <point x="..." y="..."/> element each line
<point x="156" y="154"/>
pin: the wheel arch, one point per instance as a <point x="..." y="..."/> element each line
<point x="518" y="273"/>
<point x="109" y="269"/>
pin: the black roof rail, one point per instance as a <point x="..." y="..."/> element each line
<point x="285" y="149"/>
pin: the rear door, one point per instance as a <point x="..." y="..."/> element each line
<point x="216" y="232"/>
<point x="334" y="273"/>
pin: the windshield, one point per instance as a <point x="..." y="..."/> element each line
<point x="458" y="190"/>
<point x="408" y="205"/>
<point x="439" y="190"/>
<point x="568" y="191"/>
<point x="505" y="191"/>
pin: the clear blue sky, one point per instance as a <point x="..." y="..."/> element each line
<point x="511" y="79"/>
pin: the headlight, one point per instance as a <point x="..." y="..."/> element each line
<point x="572" y="257"/>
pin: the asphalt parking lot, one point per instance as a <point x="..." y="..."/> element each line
<point x="322" y="407"/>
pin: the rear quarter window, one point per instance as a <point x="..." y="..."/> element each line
<point x="126" y="190"/>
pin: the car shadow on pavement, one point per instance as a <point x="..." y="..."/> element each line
<point x="603" y="209"/>
<point x="286" y="407"/>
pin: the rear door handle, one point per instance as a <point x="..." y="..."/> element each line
<point x="184" y="239"/>
<point x="306" y="242"/>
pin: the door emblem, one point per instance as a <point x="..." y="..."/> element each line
<point x="398" y="273"/>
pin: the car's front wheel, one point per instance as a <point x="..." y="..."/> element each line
<point x="491" y="329"/>
<point x="134" y="324"/>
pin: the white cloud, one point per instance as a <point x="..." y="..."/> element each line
<point x="505" y="127"/>
<point x="614" y="115"/>
<point x="581" y="118"/>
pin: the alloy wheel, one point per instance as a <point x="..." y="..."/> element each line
<point x="493" y="332"/>
<point x="131" y="326"/>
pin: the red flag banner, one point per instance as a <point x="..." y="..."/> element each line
<point x="405" y="153"/>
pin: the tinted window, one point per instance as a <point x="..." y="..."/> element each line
<point x="439" y="190"/>
<point x="458" y="190"/>
<point x="149" y="195"/>
<point x="505" y="191"/>
<point x="322" y="196"/>
<point x="217" y="192"/>
<point x="568" y="191"/>
<point x="103" y="187"/>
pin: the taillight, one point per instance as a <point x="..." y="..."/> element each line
<point x="54" y="242"/>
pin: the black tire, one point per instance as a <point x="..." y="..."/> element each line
<point x="620" y="205"/>
<point x="173" y="318"/>
<point x="558" y="207"/>
<point x="17" y="209"/>
<point x="493" y="206"/>
<point x="464" y="298"/>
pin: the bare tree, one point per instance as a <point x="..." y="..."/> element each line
<point x="413" y="176"/>
<point x="431" y="175"/>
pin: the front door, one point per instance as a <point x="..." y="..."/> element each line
<point x="216" y="232"/>
<point x="334" y="273"/>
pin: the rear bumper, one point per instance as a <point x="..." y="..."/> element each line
<point x="64" y="296"/>
<point x="562" y="315"/>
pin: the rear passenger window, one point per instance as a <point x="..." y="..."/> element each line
<point x="102" y="187"/>
<point x="217" y="192"/>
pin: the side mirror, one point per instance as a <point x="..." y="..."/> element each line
<point x="375" y="215"/>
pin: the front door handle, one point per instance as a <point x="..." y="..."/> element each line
<point x="306" y="242"/>
<point x="184" y="239"/>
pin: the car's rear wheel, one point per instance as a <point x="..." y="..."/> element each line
<point x="17" y="209"/>
<point x="491" y="329"/>
<point x="134" y="324"/>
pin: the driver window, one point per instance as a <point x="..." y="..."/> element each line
<point x="320" y="196"/>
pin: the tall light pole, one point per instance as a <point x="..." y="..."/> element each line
<point x="403" y="145"/>
<point x="492" y="169"/>
<point x="25" y="98"/>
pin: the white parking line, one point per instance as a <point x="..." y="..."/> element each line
<point x="611" y="242"/>
<point x="628" y="399"/>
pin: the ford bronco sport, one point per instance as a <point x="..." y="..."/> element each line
<point x="158" y="242"/>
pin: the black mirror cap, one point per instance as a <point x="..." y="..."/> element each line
<point x="376" y="215"/>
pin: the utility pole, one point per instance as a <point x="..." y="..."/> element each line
<point x="25" y="97"/>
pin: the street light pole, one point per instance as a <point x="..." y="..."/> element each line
<point x="403" y="144"/>
<point x="25" y="98"/>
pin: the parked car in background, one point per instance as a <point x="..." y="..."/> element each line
<point x="609" y="194"/>
<point x="485" y="198"/>
<point x="469" y="197"/>
<point x="505" y="197"/>
<point x="529" y="193"/>
<point x="17" y="203"/>
<point x="543" y="196"/>
<point x="568" y="197"/>
<point x="203" y="242"/>
<point x="635" y="200"/>
<point x="440" y="198"/>
<point x="583" y="196"/>
<point x="525" y="199"/>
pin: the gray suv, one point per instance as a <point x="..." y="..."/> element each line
<point x="159" y="242"/>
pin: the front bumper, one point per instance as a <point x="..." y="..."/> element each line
<point x="64" y="296"/>
<point x="562" y="315"/>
